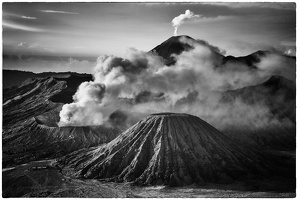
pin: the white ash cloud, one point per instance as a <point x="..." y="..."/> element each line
<point x="182" y="18"/>
<point x="189" y="17"/>
<point x="212" y="47"/>
<point x="277" y="64"/>
<point x="141" y="84"/>
<point x="87" y="102"/>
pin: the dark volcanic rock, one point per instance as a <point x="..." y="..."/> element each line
<point x="168" y="149"/>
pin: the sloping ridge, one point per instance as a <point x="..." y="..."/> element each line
<point x="16" y="77"/>
<point x="168" y="149"/>
<point x="250" y="60"/>
<point x="278" y="93"/>
<point x="173" y="45"/>
<point x="30" y="117"/>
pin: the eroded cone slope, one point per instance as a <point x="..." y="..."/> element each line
<point x="169" y="149"/>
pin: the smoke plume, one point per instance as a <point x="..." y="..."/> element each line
<point x="182" y="18"/>
<point x="141" y="84"/>
<point x="87" y="101"/>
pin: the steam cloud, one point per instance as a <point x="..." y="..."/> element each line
<point x="182" y="18"/>
<point x="141" y="84"/>
<point x="87" y="101"/>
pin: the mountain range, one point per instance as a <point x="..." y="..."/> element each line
<point x="166" y="50"/>
<point x="16" y="77"/>
<point x="161" y="149"/>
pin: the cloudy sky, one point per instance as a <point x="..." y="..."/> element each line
<point x="93" y="29"/>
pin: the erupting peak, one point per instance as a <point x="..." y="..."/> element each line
<point x="172" y="46"/>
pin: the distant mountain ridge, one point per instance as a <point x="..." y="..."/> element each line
<point x="16" y="77"/>
<point x="178" y="44"/>
<point x="250" y="60"/>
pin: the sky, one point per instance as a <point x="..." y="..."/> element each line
<point x="87" y="30"/>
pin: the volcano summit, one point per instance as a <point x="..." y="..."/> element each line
<point x="168" y="149"/>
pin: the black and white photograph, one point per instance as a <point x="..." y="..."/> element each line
<point x="148" y="99"/>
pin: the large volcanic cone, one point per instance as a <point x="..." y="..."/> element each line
<point x="177" y="44"/>
<point x="170" y="149"/>
<point x="171" y="46"/>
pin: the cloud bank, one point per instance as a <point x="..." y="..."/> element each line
<point x="141" y="84"/>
